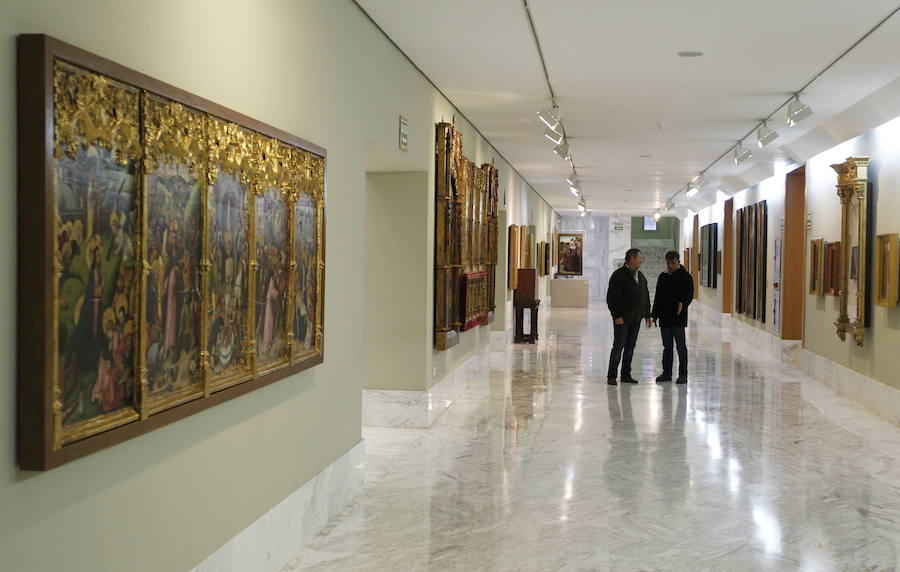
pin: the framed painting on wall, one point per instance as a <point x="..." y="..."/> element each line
<point x="570" y="252"/>
<point x="150" y="290"/>
<point x="708" y="247"/>
<point x="512" y="261"/>
<point x="887" y="267"/>
<point x="817" y="267"/>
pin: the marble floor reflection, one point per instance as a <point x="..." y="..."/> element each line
<point x="542" y="466"/>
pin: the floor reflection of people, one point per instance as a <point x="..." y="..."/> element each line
<point x="623" y="464"/>
<point x="669" y="459"/>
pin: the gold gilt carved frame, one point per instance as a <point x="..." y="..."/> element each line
<point x="171" y="253"/>
<point x="853" y="192"/>
<point x="465" y="239"/>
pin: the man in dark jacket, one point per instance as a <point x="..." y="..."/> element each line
<point x="629" y="302"/>
<point x="674" y="292"/>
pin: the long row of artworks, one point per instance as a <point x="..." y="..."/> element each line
<point x="171" y="253"/>
<point x="465" y="239"/>
<point x="751" y="226"/>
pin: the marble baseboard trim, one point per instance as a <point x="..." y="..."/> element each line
<point x="275" y="538"/>
<point x="395" y="408"/>
<point x="882" y="400"/>
<point x="733" y="327"/>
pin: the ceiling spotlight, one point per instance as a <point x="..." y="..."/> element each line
<point x="562" y="149"/>
<point x="585" y="212"/>
<point x="550" y="116"/>
<point x="797" y="111"/>
<point x="582" y="206"/>
<point x="765" y="135"/>
<point x="576" y="189"/>
<point x="741" y="154"/>
<point x="553" y="136"/>
<point x="695" y="185"/>
<point x="572" y="179"/>
<point x="657" y="215"/>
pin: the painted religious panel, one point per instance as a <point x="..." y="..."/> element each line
<point x="570" y="252"/>
<point x="271" y="262"/>
<point x="306" y="313"/>
<point x="172" y="250"/>
<point x="175" y="183"/>
<point x="95" y="200"/>
<point x="228" y="290"/>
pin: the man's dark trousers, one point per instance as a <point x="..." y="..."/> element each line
<point x="624" y="339"/>
<point x="676" y="335"/>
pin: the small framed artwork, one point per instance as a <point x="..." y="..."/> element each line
<point x="887" y="269"/>
<point x="719" y="262"/>
<point x="512" y="260"/>
<point x="832" y="277"/>
<point x="570" y="252"/>
<point x="817" y="266"/>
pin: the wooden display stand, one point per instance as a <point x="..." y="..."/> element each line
<point x="525" y="298"/>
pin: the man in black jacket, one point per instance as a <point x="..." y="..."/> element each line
<point x="674" y="292"/>
<point x="629" y="302"/>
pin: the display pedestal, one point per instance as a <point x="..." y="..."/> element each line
<point x="569" y="293"/>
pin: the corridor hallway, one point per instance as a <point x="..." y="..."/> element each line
<point x="542" y="466"/>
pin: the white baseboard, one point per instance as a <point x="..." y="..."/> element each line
<point x="275" y="538"/>
<point x="882" y="400"/>
<point x="399" y="408"/>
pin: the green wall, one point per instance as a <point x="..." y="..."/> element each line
<point x="318" y="69"/>
<point x="667" y="227"/>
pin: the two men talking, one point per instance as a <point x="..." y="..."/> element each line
<point x="628" y="300"/>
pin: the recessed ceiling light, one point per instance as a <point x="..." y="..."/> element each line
<point x="690" y="54"/>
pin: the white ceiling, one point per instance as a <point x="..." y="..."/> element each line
<point x="616" y="73"/>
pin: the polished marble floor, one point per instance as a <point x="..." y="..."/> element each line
<point x="542" y="466"/>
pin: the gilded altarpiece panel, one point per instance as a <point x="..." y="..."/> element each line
<point x="171" y="253"/>
<point x="466" y="234"/>
<point x="96" y="158"/>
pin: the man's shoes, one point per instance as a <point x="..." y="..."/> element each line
<point x="628" y="379"/>
<point x="611" y="381"/>
<point x="681" y="379"/>
<point x="663" y="377"/>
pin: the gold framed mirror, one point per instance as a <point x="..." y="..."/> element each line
<point x="852" y="189"/>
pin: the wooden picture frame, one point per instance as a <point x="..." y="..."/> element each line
<point x="709" y="236"/>
<point x="817" y="267"/>
<point x="887" y="270"/>
<point x="570" y="252"/>
<point x="149" y="290"/>
<point x="856" y="248"/>
<point x="512" y="254"/>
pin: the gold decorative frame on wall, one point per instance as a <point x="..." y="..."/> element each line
<point x="512" y="257"/>
<point x="887" y="269"/>
<point x="94" y="140"/>
<point x="817" y="266"/>
<point x="855" y="297"/>
<point x="465" y="239"/>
